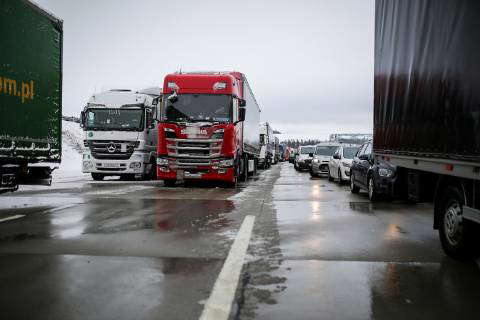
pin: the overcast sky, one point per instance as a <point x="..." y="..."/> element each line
<point x="309" y="63"/>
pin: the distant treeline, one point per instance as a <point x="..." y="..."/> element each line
<point x="295" y="143"/>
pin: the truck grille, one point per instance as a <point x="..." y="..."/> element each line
<point x="193" y="148"/>
<point x="111" y="149"/>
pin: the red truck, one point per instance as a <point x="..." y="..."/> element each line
<point x="209" y="128"/>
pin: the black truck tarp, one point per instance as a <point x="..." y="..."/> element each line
<point x="427" y="78"/>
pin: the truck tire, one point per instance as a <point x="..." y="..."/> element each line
<point x="152" y="173"/>
<point x="313" y="175"/>
<point x="340" y="181"/>
<point x="97" y="176"/>
<point x="353" y="187"/>
<point x="169" y="183"/>
<point x="458" y="237"/>
<point x="245" y="169"/>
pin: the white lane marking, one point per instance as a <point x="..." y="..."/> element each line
<point x="219" y="303"/>
<point x="62" y="207"/>
<point x="12" y="217"/>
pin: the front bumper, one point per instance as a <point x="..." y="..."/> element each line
<point x="137" y="164"/>
<point x="304" y="164"/>
<point x="199" y="173"/>
<point x="320" y="168"/>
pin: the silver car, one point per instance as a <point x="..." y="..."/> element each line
<point x="323" y="154"/>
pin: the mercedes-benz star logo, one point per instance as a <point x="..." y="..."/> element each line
<point x="111" y="147"/>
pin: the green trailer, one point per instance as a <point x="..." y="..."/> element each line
<point x="30" y="93"/>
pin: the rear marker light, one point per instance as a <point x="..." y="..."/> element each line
<point x="449" y="167"/>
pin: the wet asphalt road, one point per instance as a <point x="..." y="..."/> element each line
<point x="125" y="250"/>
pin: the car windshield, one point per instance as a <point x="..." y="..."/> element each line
<point x="349" y="152"/>
<point x="325" y="150"/>
<point x="114" y="119"/>
<point x="307" y="150"/>
<point x="198" y="107"/>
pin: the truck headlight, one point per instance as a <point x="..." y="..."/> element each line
<point x="225" y="163"/>
<point x="315" y="160"/>
<point x="384" y="172"/>
<point x="87" y="165"/>
<point x="162" y="162"/>
<point x="135" y="165"/>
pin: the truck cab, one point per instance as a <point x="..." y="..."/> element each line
<point x="267" y="143"/>
<point x="120" y="134"/>
<point x="209" y="128"/>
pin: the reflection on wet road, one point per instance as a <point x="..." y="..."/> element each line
<point x="125" y="250"/>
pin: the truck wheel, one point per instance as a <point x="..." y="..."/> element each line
<point x="295" y="166"/>
<point x="313" y="175"/>
<point x="458" y="236"/>
<point x="169" y="183"/>
<point x="245" y="169"/>
<point x="97" y="176"/>
<point x="353" y="187"/>
<point x="340" y="176"/>
<point x="372" y="193"/>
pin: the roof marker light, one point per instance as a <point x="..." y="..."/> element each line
<point x="219" y="85"/>
<point x="172" y="85"/>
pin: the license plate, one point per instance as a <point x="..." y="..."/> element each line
<point x="192" y="175"/>
<point x="111" y="165"/>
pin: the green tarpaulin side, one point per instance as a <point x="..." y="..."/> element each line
<point x="30" y="83"/>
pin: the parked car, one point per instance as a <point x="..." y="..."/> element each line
<point x="340" y="163"/>
<point x="375" y="176"/>
<point x="303" y="158"/>
<point x="323" y="154"/>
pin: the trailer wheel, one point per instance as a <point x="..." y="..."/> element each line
<point x="97" y="176"/>
<point x="458" y="236"/>
<point x="169" y="183"/>
<point x="353" y="187"/>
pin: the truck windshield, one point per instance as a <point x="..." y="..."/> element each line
<point x="307" y="150"/>
<point x="326" y="150"/>
<point x="199" y="107"/>
<point x="349" y="152"/>
<point x="114" y="119"/>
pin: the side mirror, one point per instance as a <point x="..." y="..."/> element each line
<point x="82" y="119"/>
<point x="150" y="122"/>
<point x="336" y="156"/>
<point x="242" y="103"/>
<point x="364" y="157"/>
<point x="241" y="113"/>
<point x="310" y="155"/>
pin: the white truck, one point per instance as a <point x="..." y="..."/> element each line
<point x="121" y="134"/>
<point x="267" y="143"/>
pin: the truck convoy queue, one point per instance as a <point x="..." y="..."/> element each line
<point x="206" y="125"/>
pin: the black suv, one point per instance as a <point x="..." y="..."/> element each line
<point x="376" y="177"/>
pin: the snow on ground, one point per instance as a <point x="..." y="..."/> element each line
<point x="72" y="144"/>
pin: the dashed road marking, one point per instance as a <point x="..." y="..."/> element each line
<point x="219" y="303"/>
<point x="12" y="217"/>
